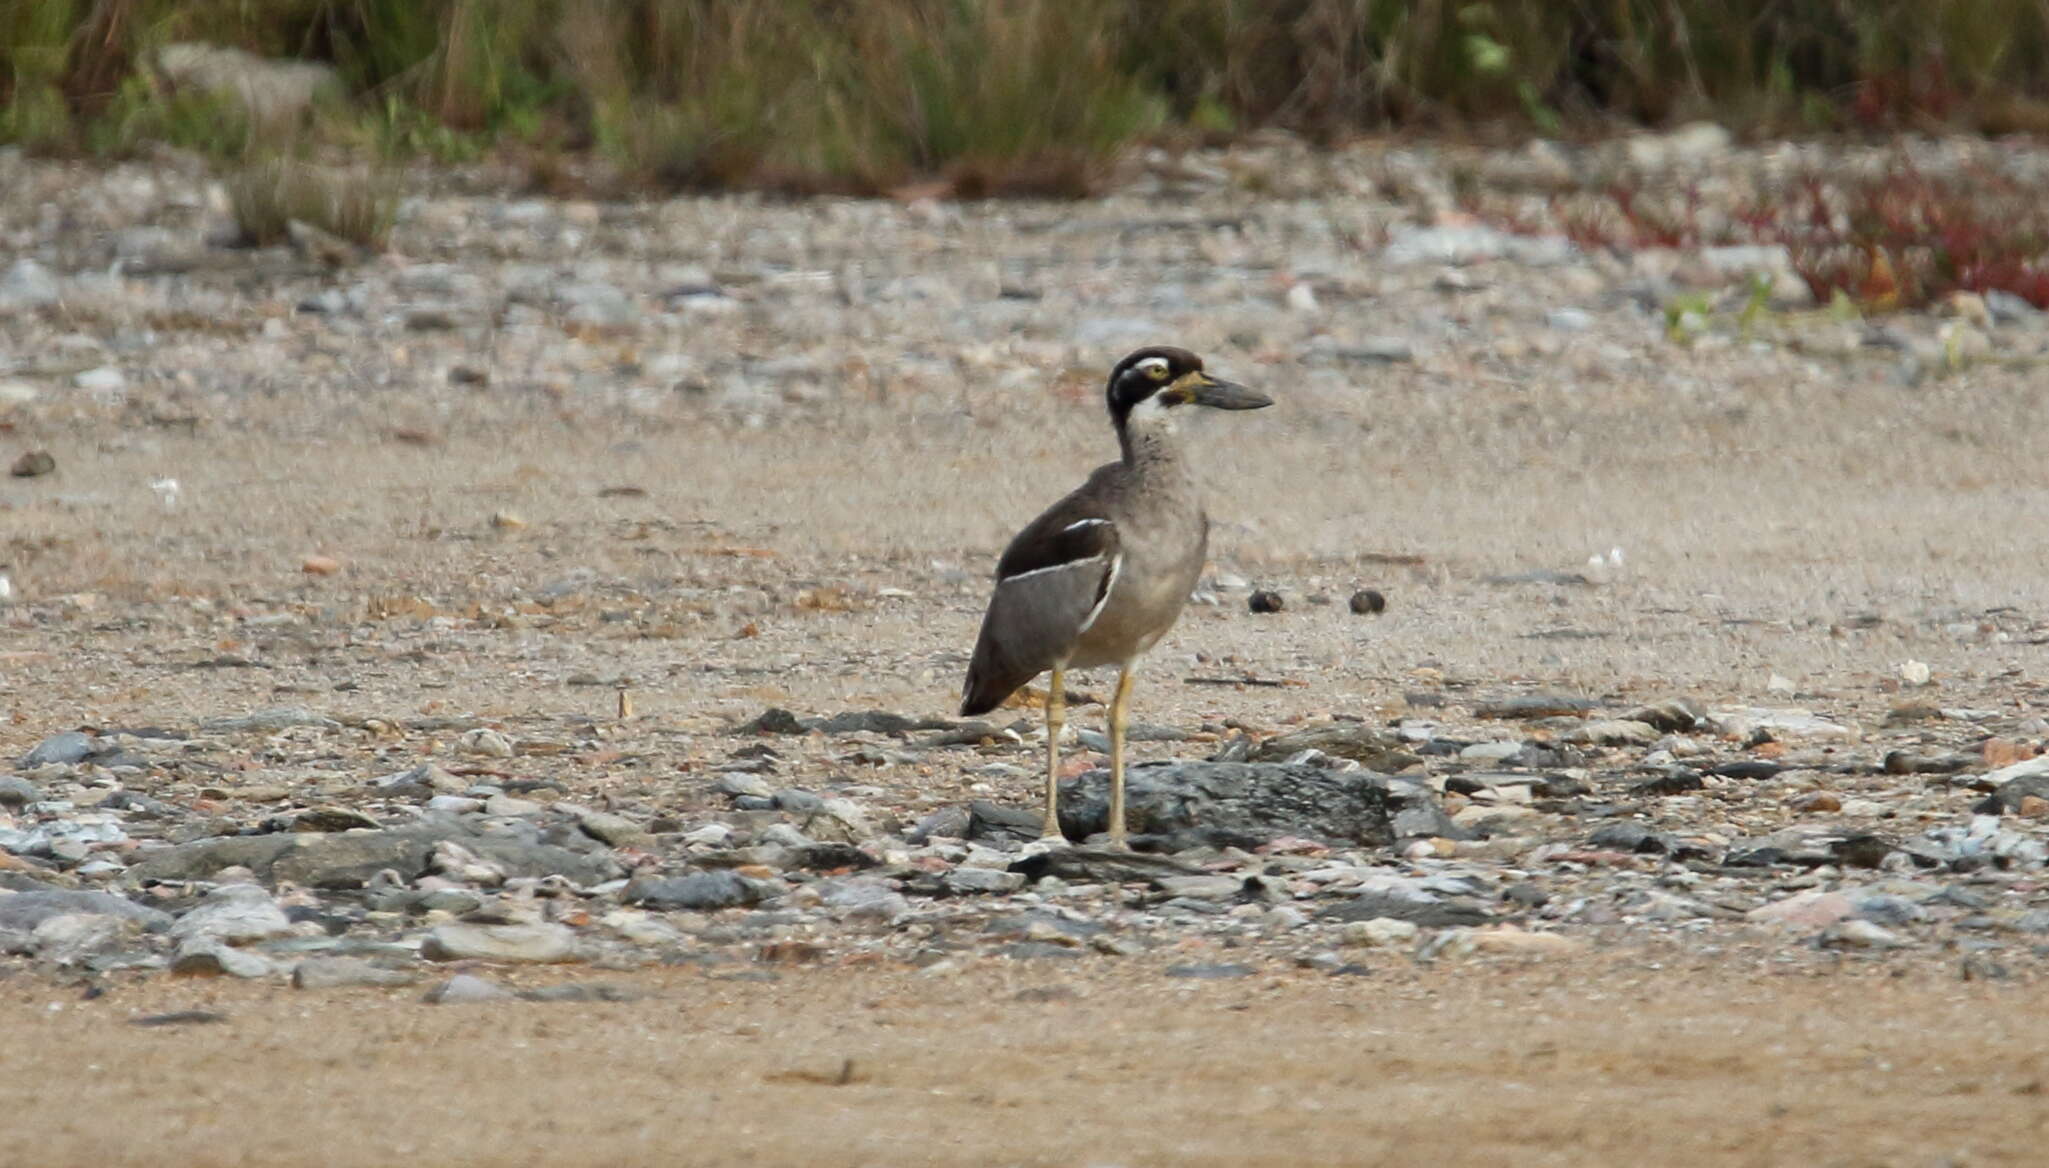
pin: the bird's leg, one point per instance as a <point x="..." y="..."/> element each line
<point x="1056" y="717"/>
<point x="1117" y="704"/>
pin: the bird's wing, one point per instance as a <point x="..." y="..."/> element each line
<point x="1050" y="585"/>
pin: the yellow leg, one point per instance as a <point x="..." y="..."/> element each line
<point x="1117" y="756"/>
<point x="1056" y="717"/>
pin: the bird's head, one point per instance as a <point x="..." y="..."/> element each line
<point x="1154" y="383"/>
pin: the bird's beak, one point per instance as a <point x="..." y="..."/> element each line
<point x="1217" y="394"/>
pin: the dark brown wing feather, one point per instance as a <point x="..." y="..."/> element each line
<point x="1049" y="579"/>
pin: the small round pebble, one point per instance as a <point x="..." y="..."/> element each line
<point x="1264" y="601"/>
<point x="1368" y="601"/>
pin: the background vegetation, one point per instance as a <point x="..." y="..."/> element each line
<point x="1012" y="95"/>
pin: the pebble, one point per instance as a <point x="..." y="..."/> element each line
<point x="236" y="914"/>
<point x="466" y="989"/>
<point x="1378" y="932"/>
<point x="1265" y="602"/>
<point x="1368" y="602"/>
<point x="540" y="943"/>
<point x="327" y="973"/>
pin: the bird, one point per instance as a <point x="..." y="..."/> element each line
<point x="1100" y="576"/>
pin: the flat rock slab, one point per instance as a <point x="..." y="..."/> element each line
<point x="350" y="859"/>
<point x="23" y="911"/>
<point x="1246" y="804"/>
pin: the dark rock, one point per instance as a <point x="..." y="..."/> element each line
<point x="1558" y="787"/>
<point x="1634" y="837"/>
<point x="995" y="821"/>
<point x="32" y="464"/>
<point x="1264" y="601"/>
<point x="950" y="822"/>
<point x="774" y="720"/>
<point x="1368" y="602"/>
<point x="1747" y="768"/>
<point x="798" y="801"/>
<point x="825" y="857"/>
<point x="1526" y="895"/>
<point x="2007" y="798"/>
<point x="1672" y="715"/>
<point x="1210" y="971"/>
<point x="180" y="1018"/>
<point x="23" y="911"/>
<point x="1534" y="706"/>
<point x="66" y="748"/>
<point x="704" y="890"/>
<point x="1101" y="865"/>
<point x="1353" y="740"/>
<point x="1906" y="762"/>
<point x="1860" y="851"/>
<point x="1192" y="804"/>
<point x="17" y="792"/>
<point x="1675" y="781"/>
<point x="1434" y="913"/>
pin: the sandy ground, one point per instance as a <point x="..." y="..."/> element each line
<point x="1629" y="1059"/>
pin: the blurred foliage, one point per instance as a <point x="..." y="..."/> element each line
<point x="1017" y="95"/>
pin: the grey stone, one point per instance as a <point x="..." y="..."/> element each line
<point x="2006" y="799"/>
<point x="739" y="783"/>
<point x="463" y="989"/>
<point x="327" y="973"/>
<point x="1523" y="706"/>
<point x="1101" y="865"/>
<point x="947" y="822"/>
<point x="1672" y="715"/>
<point x="204" y="957"/>
<point x="70" y="938"/>
<point x="1249" y="804"/>
<point x="17" y="792"/>
<point x="705" y="890"/>
<point x="1429" y="912"/>
<point x="582" y="991"/>
<point x="981" y="881"/>
<point x="518" y="858"/>
<point x="27" y="284"/>
<point x="1351" y="740"/>
<point x="234" y="915"/>
<point x="863" y="898"/>
<point x="614" y="830"/>
<point x="774" y="720"/>
<point x="349" y="859"/>
<point x="1210" y="970"/>
<point x="531" y="944"/>
<point x="200" y="859"/>
<point x="798" y="801"/>
<point x="69" y="747"/>
<point x="23" y="911"/>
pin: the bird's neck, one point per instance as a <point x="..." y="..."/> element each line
<point x="1151" y="446"/>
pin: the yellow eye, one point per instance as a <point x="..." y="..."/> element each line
<point x="1155" y="368"/>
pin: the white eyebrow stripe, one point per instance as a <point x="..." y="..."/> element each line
<point x="1078" y="524"/>
<point x="1053" y="568"/>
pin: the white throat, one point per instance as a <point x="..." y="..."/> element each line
<point x="1151" y="433"/>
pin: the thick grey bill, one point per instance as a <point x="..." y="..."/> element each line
<point x="1229" y="395"/>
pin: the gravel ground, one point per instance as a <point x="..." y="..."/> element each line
<point x="578" y="595"/>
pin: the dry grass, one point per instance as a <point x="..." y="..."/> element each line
<point x="269" y="195"/>
<point x="1026" y="95"/>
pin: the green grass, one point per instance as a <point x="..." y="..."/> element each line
<point x="1011" y="95"/>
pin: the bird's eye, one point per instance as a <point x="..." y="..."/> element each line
<point x="1155" y="368"/>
